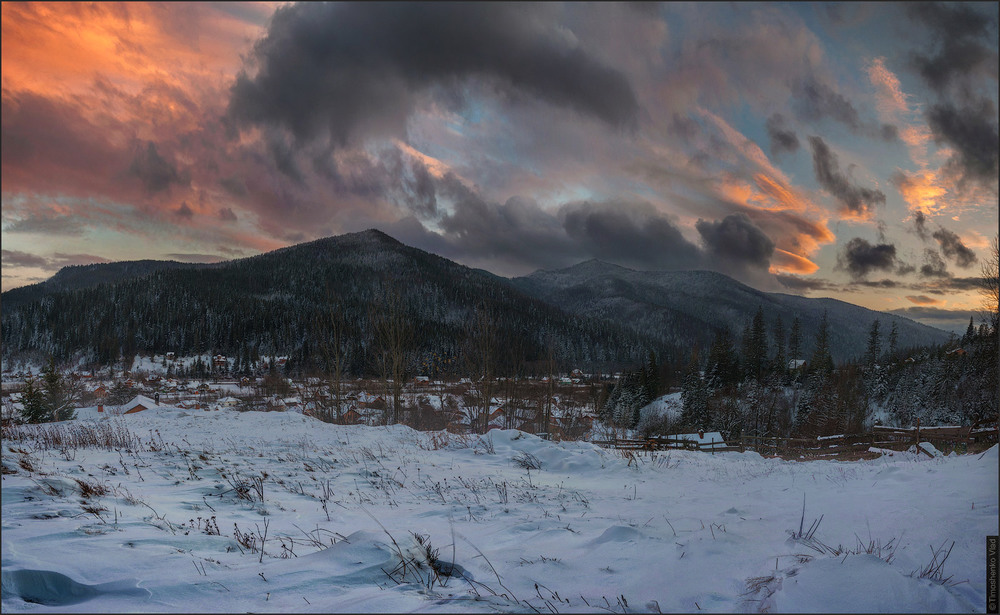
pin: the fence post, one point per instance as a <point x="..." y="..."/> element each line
<point x="918" y="431"/>
<point x="713" y="446"/>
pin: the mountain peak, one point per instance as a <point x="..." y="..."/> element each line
<point x="589" y="268"/>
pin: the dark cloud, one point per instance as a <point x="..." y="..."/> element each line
<point x="971" y="129"/>
<point x="16" y="258"/>
<point x="737" y="240"/>
<point x="226" y="215"/>
<point x="961" y="65"/>
<point x="630" y="234"/>
<point x="957" y="284"/>
<point x="934" y="266"/>
<point x="920" y="225"/>
<point x="859" y="258"/>
<point x="234" y="186"/>
<point x="964" y="33"/>
<point x="184" y="211"/>
<point x="782" y="139"/>
<point x="858" y="200"/>
<point x="815" y="101"/>
<point x="154" y="171"/>
<point x="47" y="223"/>
<point x="796" y="283"/>
<point x="953" y="248"/>
<point x="933" y="313"/>
<point x="231" y="252"/>
<point x="519" y="236"/>
<point x="349" y="70"/>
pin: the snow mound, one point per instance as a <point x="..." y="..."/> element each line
<point x="52" y="588"/>
<point x="862" y="584"/>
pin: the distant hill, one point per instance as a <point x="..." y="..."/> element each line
<point x="684" y="308"/>
<point x="279" y="304"/>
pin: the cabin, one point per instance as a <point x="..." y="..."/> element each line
<point x="138" y="404"/>
<point x="228" y="402"/>
<point x="351" y="417"/>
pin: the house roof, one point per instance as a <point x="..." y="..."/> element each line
<point x="140" y="399"/>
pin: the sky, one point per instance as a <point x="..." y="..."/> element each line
<point x="844" y="150"/>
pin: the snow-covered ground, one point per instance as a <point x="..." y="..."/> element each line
<point x="589" y="530"/>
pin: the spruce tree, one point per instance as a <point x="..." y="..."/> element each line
<point x="60" y="395"/>
<point x="893" y="337"/>
<point x="821" y="361"/>
<point x="755" y="347"/>
<point x="795" y="340"/>
<point x="780" y="362"/>
<point x="652" y="377"/>
<point x="970" y="333"/>
<point x="33" y="405"/>
<point x="874" y="350"/>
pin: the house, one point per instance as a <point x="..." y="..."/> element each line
<point x="228" y="402"/>
<point x="794" y="364"/>
<point x="138" y="404"/>
<point x="351" y="417"/>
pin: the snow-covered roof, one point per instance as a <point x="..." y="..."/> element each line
<point x="140" y="400"/>
<point x="707" y="437"/>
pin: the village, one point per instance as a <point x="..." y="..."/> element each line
<point x="558" y="407"/>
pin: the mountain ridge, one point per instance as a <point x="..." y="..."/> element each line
<point x="694" y="304"/>
<point x="593" y="304"/>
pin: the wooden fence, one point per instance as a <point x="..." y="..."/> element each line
<point x="662" y="443"/>
<point x="839" y="446"/>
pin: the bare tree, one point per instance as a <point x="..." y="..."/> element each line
<point x="332" y="346"/>
<point x="545" y="414"/>
<point x="989" y="291"/>
<point x="393" y="334"/>
<point x="481" y="354"/>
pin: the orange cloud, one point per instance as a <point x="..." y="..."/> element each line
<point x="889" y="99"/>
<point x="922" y="190"/>
<point x="783" y="261"/>
<point x="784" y="195"/>
<point x="923" y="300"/>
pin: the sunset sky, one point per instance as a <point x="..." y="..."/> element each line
<point x="832" y="150"/>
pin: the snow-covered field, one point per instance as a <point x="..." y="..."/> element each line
<point x="348" y="515"/>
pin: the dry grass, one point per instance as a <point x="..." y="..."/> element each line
<point x="91" y="488"/>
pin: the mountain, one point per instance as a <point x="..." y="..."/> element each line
<point x="594" y="315"/>
<point x="280" y="303"/>
<point x="76" y="277"/>
<point x="684" y="308"/>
